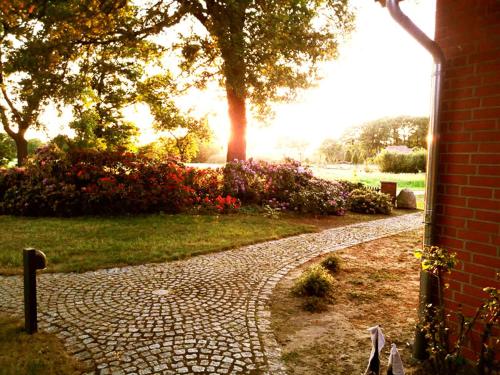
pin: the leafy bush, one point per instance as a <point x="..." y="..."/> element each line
<point x="448" y="333"/>
<point x="255" y="181"/>
<point x="319" y="197"/>
<point x="395" y="162"/>
<point x="88" y="182"/>
<point x="331" y="263"/>
<point x="78" y="182"/>
<point x="349" y="186"/>
<point x="286" y="186"/>
<point x="370" y="202"/>
<point x="314" y="282"/>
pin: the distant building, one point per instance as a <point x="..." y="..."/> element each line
<point x="399" y="149"/>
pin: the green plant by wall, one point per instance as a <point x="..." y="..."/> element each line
<point x="445" y="355"/>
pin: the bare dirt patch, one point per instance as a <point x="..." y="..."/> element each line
<point x="378" y="284"/>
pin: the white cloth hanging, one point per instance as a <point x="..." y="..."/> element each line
<point x="378" y="342"/>
<point x="395" y="366"/>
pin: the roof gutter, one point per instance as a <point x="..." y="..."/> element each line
<point x="420" y="345"/>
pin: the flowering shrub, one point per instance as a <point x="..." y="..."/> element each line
<point x="319" y="197"/>
<point x="90" y="182"/>
<point x="78" y="182"/>
<point x="286" y="186"/>
<point x="218" y="204"/>
<point x="370" y="202"/>
<point x="349" y="186"/>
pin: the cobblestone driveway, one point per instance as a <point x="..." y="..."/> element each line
<point x="208" y="314"/>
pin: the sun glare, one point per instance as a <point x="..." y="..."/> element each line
<point x="381" y="72"/>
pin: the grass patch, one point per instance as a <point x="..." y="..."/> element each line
<point x="38" y="354"/>
<point x="383" y="275"/>
<point x="360" y="296"/>
<point x="290" y="357"/>
<point x="413" y="181"/>
<point x="88" y="243"/>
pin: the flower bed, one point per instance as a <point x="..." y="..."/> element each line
<point x="285" y="186"/>
<point x="57" y="183"/>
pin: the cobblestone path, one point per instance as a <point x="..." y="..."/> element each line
<point x="208" y="314"/>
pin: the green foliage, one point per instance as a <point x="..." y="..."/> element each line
<point x="349" y="186"/>
<point x="319" y="197"/>
<point x="448" y="333"/>
<point x="33" y="145"/>
<point x="7" y="149"/>
<point x="89" y="182"/>
<point x="332" y="263"/>
<point x="314" y="282"/>
<point x="132" y="239"/>
<point x="332" y="151"/>
<point x="395" y="162"/>
<point x="264" y="50"/>
<point x="66" y="52"/>
<point x="183" y="133"/>
<point x="271" y="212"/>
<point x="259" y="51"/>
<point x="372" y="137"/>
<point x="370" y="202"/>
<point x="287" y="186"/>
<point x="436" y="260"/>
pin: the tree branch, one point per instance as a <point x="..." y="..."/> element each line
<point x="5" y="122"/>
<point x="13" y="109"/>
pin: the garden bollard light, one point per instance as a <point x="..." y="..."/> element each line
<point x="33" y="260"/>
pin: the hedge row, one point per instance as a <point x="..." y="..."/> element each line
<point x="395" y="162"/>
<point x="57" y="183"/>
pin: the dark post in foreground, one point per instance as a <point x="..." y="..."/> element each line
<point x="33" y="260"/>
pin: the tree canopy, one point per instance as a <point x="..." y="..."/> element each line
<point x="373" y="136"/>
<point x="259" y="51"/>
<point x="43" y="55"/>
<point x="88" y="54"/>
<point x="91" y="54"/>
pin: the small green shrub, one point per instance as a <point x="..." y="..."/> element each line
<point x="370" y="202"/>
<point x="331" y="263"/>
<point x="314" y="282"/>
<point x="396" y="162"/>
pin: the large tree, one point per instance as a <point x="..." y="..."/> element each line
<point x="69" y="52"/>
<point x="260" y="50"/>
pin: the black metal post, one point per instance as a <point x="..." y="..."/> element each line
<point x="33" y="260"/>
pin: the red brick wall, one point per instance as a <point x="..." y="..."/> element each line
<point x="468" y="210"/>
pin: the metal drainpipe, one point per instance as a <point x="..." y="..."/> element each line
<point x="420" y="345"/>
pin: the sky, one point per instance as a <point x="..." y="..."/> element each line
<point x="381" y="71"/>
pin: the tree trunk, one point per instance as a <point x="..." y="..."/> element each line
<point x="22" y="149"/>
<point x="237" y="145"/>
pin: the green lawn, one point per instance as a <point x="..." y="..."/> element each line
<point x="41" y="353"/>
<point x="88" y="243"/>
<point x="370" y="176"/>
